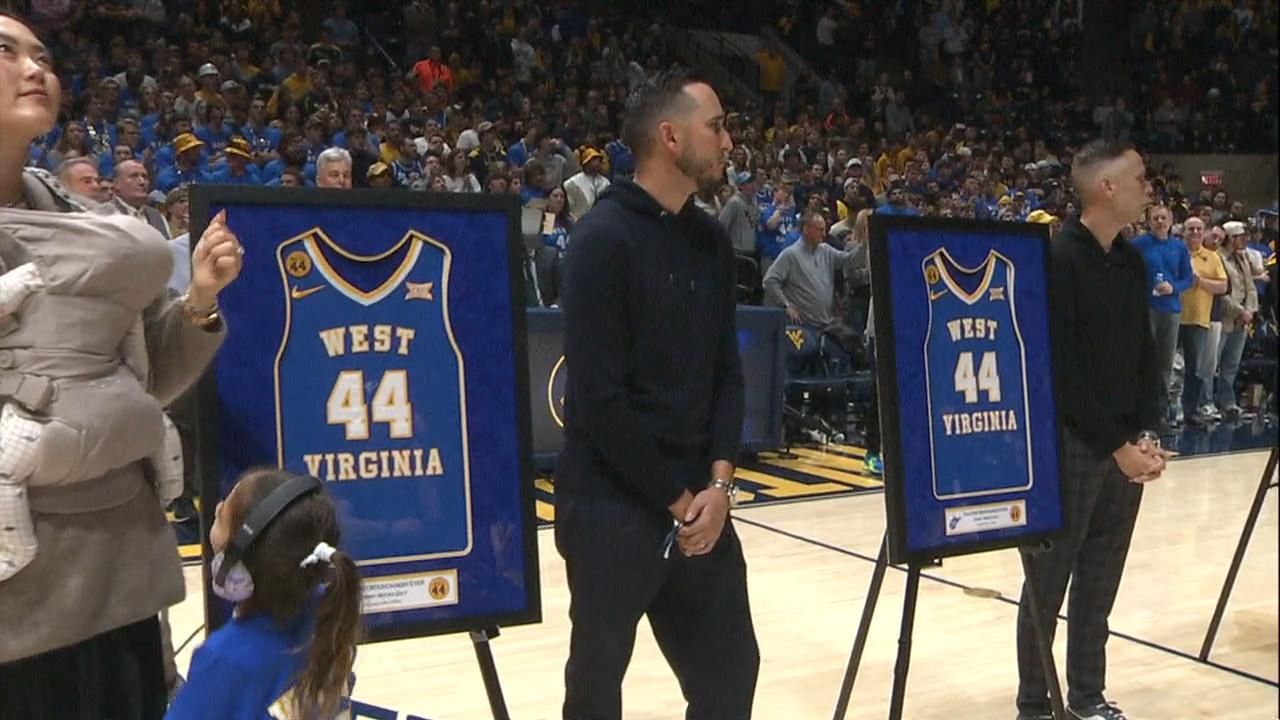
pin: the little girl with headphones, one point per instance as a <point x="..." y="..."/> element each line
<point x="288" y="651"/>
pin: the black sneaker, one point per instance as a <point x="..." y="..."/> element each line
<point x="1101" y="711"/>
<point x="1035" y="715"/>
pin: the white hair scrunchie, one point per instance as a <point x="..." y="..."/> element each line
<point x="323" y="553"/>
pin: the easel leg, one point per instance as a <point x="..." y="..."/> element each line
<point x="1042" y="639"/>
<point x="1263" y="485"/>
<point x="489" y="672"/>
<point x="864" y="628"/>
<point x="904" y="642"/>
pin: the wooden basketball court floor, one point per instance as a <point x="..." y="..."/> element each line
<point x="809" y="564"/>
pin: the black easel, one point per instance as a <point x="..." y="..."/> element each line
<point x="489" y="671"/>
<point x="1264" y="484"/>
<point x="904" y="637"/>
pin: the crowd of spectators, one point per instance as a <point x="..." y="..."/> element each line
<point x="938" y="107"/>
<point x="1196" y="76"/>
<point x="252" y="92"/>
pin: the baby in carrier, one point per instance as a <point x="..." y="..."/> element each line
<point x="73" y="360"/>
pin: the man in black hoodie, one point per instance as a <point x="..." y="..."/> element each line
<point x="653" y="406"/>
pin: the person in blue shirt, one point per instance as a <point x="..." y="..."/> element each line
<point x="896" y="201"/>
<point x="622" y="162"/>
<point x="1168" y="265"/>
<point x="293" y="154"/>
<point x="238" y="168"/>
<point x="289" y="648"/>
<point x="524" y="148"/>
<point x="779" y="226"/>
<point x="556" y="222"/>
<point x="263" y="138"/>
<point x="188" y="165"/>
<point x="986" y="206"/>
<point x="213" y="129"/>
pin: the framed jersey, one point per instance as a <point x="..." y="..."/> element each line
<point x="967" y="413"/>
<point x="376" y="341"/>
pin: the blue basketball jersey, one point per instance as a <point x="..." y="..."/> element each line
<point x="975" y="367"/>
<point x="370" y="394"/>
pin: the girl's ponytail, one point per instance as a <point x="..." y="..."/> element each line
<point x="323" y="682"/>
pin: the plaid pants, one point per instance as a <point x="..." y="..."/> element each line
<point x="1101" y="507"/>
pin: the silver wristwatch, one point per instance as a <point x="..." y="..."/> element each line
<point x="730" y="488"/>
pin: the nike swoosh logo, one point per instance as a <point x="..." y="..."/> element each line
<point x="297" y="294"/>
<point x="935" y="296"/>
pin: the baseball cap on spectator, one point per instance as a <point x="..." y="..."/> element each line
<point x="591" y="154"/>
<point x="376" y="169"/>
<point x="852" y="162"/>
<point x="207" y="70"/>
<point x="1041" y="217"/>
<point x="240" y="147"/>
<point x="484" y="127"/>
<point x="176" y="195"/>
<point x="743" y="178"/>
<point x="1233" y="228"/>
<point x="185" y="142"/>
<point x="228" y="85"/>
<point x="320" y="55"/>
<point x="850" y="182"/>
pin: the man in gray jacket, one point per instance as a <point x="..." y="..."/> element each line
<point x="802" y="282"/>
<point x="132" y="191"/>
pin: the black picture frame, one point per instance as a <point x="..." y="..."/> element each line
<point x="202" y="199"/>
<point x="881" y="228"/>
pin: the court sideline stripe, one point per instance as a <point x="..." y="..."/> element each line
<point x="1009" y="601"/>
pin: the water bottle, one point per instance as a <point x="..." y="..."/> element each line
<point x="1159" y="279"/>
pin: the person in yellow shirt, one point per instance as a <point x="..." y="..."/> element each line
<point x="773" y="71"/>
<point x="293" y="88"/>
<point x="1193" y="330"/>
<point x="905" y="155"/>
<point x="389" y="151"/>
<point x="887" y="162"/>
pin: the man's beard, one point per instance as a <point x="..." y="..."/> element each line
<point x="707" y="173"/>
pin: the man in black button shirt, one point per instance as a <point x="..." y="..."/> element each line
<point x="1107" y="394"/>
<point x="653" y="421"/>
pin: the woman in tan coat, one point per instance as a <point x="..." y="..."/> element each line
<point x="79" y="632"/>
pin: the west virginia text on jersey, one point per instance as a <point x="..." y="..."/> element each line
<point x="975" y="365"/>
<point x="370" y="394"/>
